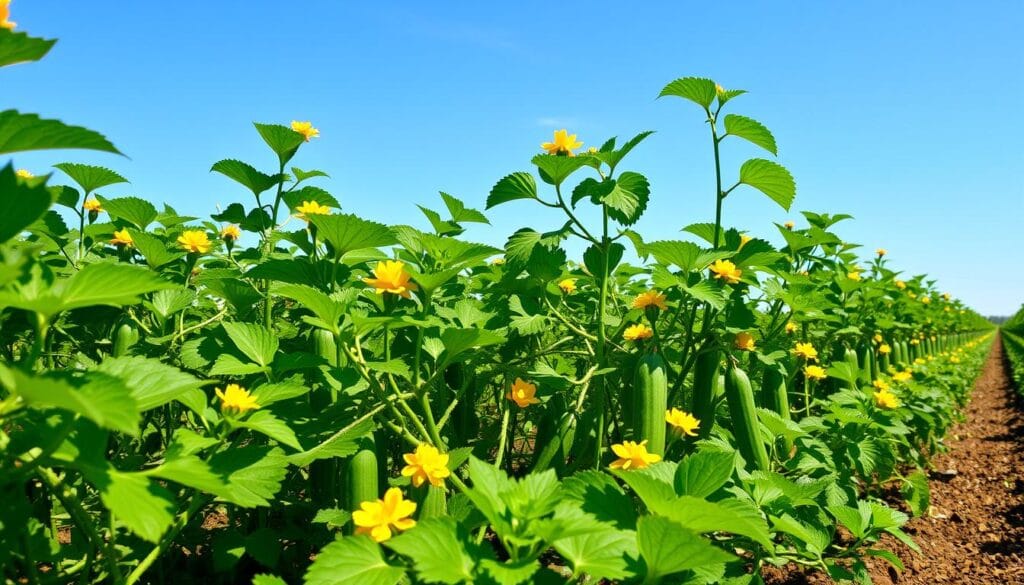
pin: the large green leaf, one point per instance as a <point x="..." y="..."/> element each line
<point x="21" y="203"/>
<point x="107" y="284"/>
<point x="628" y="199"/>
<point x="90" y="177"/>
<point x="103" y="399"/>
<point x="439" y="549"/>
<point x="605" y="554"/>
<point x="770" y="178"/>
<point x="732" y="515"/>
<point x="669" y="548"/>
<point x="555" y="169"/>
<point x="515" y="186"/>
<point x="341" y="444"/>
<point x="151" y="382"/>
<point x="299" y="196"/>
<point x="328" y="310"/>
<point x="353" y="559"/>
<point x="696" y="89"/>
<point x="281" y="139"/>
<point x="18" y="47"/>
<point x="264" y="421"/>
<point x="752" y="130"/>
<point x="347" y="232"/>
<point x="461" y="213"/>
<point x="22" y="132"/>
<point x="153" y="249"/>
<point x="702" y="473"/>
<point x="255" y="341"/>
<point x="246" y="175"/>
<point x="134" y="210"/>
<point x="458" y="341"/>
<point x="253" y="474"/>
<point x="145" y="507"/>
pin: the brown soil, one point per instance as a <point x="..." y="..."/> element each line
<point x="974" y="532"/>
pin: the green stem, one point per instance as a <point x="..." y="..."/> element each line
<point x="602" y="305"/>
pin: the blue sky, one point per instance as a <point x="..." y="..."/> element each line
<point x="906" y="115"/>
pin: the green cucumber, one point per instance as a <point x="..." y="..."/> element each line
<point x="323" y="472"/>
<point x="558" y="445"/>
<point x="431" y="502"/>
<point x="775" y="396"/>
<point x="650" y="401"/>
<point x="361" y="480"/>
<point x="745" y="427"/>
<point x="705" y="390"/>
<point x="124" y="338"/>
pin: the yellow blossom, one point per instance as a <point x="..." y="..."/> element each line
<point x="390" y="276"/>
<point x="790" y="327"/>
<point x="684" y="421"/>
<point x="880" y="384"/>
<point x="885" y="399"/>
<point x="744" y="341"/>
<point x="815" y="373"/>
<point x="236" y="398"/>
<point x="23" y="174"/>
<point x="789" y="225"/>
<point x="719" y="89"/>
<point x="651" y="298"/>
<point x="425" y="464"/>
<point x="633" y="455"/>
<point x="920" y="362"/>
<point x="853" y="275"/>
<point x="912" y="294"/>
<point x="122" y="238"/>
<point x="5" y="14"/>
<point x="637" y="332"/>
<point x="563" y="143"/>
<point x="744" y="238"/>
<point x="884" y="349"/>
<point x="954" y="359"/>
<point x="567" y="285"/>
<point x="194" y="241"/>
<point x="915" y="341"/>
<point x="306" y="129"/>
<point x="308" y="208"/>
<point x="592" y="150"/>
<point x="726" y="270"/>
<point x="92" y="205"/>
<point x="230" y="232"/>
<point x="926" y="300"/>
<point x="946" y="296"/>
<point x="881" y="252"/>
<point x="900" y="284"/>
<point x="805" y="351"/>
<point x="377" y="518"/>
<point x="523" y="393"/>
<point x="902" y="376"/>
<point x="877" y="338"/>
<point x="499" y="261"/>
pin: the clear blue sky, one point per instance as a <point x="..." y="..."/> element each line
<point x="905" y="114"/>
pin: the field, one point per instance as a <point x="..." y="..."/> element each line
<point x="283" y="392"/>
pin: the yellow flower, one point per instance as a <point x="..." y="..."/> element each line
<point x="230" y="232"/>
<point x="391" y="277"/>
<point x="592" y="150"/>
<point x="122" y="238"/>
<point x="378" y="517"/>
<point x="308" y="208"/>
<point x="684" y="421"/>
<point x="651" y="298"/>
<point x="789" y="225"/>
<point x="637" y="332"/>
<point x="719" y="89"/>
<point x="633" y="455"/>
<point x="92" y="205"/>
<point x="884" y="349"/>
<point x="881" y="252"/>
<point x="790" y="327"/>
<point x="815" y="373"/>
<point x="563" y="143"/>
<point x="23" y="173"/>
<point x="568" y="285"/>
<point x="919" y="362"/>
<point x="234" y="397"/>
<point x="499" y="261"/>
<point x="744" y="341"/>
<point x="744" y="238"/>
<point x="5" y="14"/>
<point x="523" y="393"/>
<point x="915" y="341"/>
<point x="926" y="300"/>
<point x="880" y="384"/>
<point x="806" y="351"/>
<point x="901" y="377"/>
<point x="946" y="296"/>
<point x="195" y="241"/>
<point x="853" y="275"/>
<point x="900" y="284"/>
<point x="954" y="359"/>
<point x="306" y="129"/>
<point x="912" y="294"/>
<point x="885" y="399"/>
<point x="426" y="463"/>
<point x="877" y="338"/>
<point x="726" y="270"/>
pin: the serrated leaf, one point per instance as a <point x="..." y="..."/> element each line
<point x="101" y="398"/>
<point x="264" y="421"/>
<point x="511" y="187"/>
<point x="18" y="47"/>
<point x="299" y="196"/>
<point x="253" y="474"/>
<point x="281" y="139"/>
<point x="353" y="559"/>
<point x="696" y="89"/>
<point x="343" y="443"/>
<point x="459" y="341"/>
<point x="255" y="341"/>
<point x="23" y="132"/>
<point x="142" y="505"/>
<point x="555" y="169"/>
<point x="460" y="213"/>
<point x="439" y="549"/>
<point x="21" y="204"/>
<point x="246" y="175"/>
<point x="107" y="284"/>
<point x="90" y="177"/>
<point x="153" y="249"/>
<point x="151" y="382"/>
<point x="347" y="232"/>
<point x="134" y="210"/>
<point x="770" y="178"/>
<point x="606" y="554"/>
<point x="917" y="493"/>
<point x="668" y="548"/>
<point x="628" y="199"/>
<point x="702" y="473"/>
<point x="752" y="130"/>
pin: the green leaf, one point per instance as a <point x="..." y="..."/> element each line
<point x="628" y="199"/>
<point x="151" y="382"/>
<point x="255" y="341"/>
<point x="253" y="474"/>
<point x="346" y="232"/>
<point x="515" y="186"/>
<point x="229" y="365"/>
<point x="267" y="580"/>
<point x="770" y="178"/>
<point x="814" y="538"/>
<point x="264" y="421"/>
<point x="21" y="203"/>
<point x="64" y="195"/>
<point x="153" y="249"/>
<point x="341" y="444"/>
<point x="135" y="211"/>
<point x="752" y="130"/>
<point x="145" y="507"/>
<point x="281" y="139"/>
<point x="22" y="132"/>
<point x="555" y="169"/>
<point x="246" y="175"/>
<point x="267" y="394"/>
<point x="107" y="284"/>
<point x="606" y="554"/>
<point x="353" y="559"/>
<point x="302" y="175"/>
<point x="675" y="252"/>
<point x="461" y="213"/>
<point x="18" y="47"/>
<point x="90" y="177"/>
<point x="103" y="399"/>
<point x="614" y="157"/>
<point x="696" y="89"/>
<point x="328" y="310"/>
<point x="731" y="515"/>
<point x="294" y="199"/>
<point x="439" y="549"/>
<point x="916" y="492"/>
<point x="459" y="341"/>
<point x="669" y="548"/>
<point x="704" y="472"/>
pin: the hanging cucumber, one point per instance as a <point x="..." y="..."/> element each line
<point x="745" y="427"/>
<point x="705" y="389"/>
<point x="323" y="473"/>
<point x="650" y="401"/>
<point x="125" y="337"/>
<point x="775" y="396"/>
<point x="361" y="481"/>
<point x="558" y="445"/>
